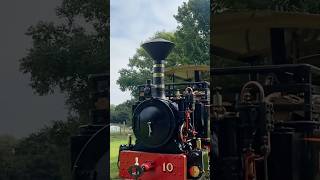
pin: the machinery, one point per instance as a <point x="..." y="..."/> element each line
<point x="90" y="148"/>
<point x="170" y="124"/>
<point x="265" y="104"/>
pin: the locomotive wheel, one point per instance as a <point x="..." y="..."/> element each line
<point x="91" y="161"/>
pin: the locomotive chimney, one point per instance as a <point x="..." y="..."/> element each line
<point x="158" y="49"/>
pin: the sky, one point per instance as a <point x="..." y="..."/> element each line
<point x="132" y="22"/>
<point x="21" y="111"/>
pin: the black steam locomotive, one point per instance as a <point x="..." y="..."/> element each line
<point x="171" y="126"/>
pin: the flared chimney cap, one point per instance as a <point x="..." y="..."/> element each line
<point x="158" y="48"/>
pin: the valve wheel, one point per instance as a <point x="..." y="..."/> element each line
<point x="135" y="171"/>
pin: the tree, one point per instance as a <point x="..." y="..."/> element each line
<point x="113" y="115"/>
<point x="193" y="32"/>
<point x="7" y="150"/>
<point x="63" y="55"/>
<point x="44" y="155"/>
<point x="61" y="58"/>
<point x="191" y="40"/>
<point x="122" y="112"/>
<point x="140" y="66"/>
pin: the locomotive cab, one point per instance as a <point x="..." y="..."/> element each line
<point x="170" y="123"/>
<point x="265" y="101"/>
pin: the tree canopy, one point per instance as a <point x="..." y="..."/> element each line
<point x="191" y="45"/>
<point x="122" y="112"/>
<point x="64" y="54"/>
<point x="45" y="155"/>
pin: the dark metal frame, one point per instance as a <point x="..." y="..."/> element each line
<point x="305" y="71"/>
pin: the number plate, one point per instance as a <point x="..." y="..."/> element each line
<point x="168" y="166"/>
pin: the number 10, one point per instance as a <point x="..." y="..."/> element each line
<point x="167" y="167"/>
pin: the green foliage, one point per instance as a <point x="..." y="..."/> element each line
<point x="61" y="58"/>
<point x="140" y="66"/>
<point x="7" y="144"/>
<point x="193" y="33"/>
<point x="45" y="155"/>
<point x="122" y="112"/>
<point x="192" y="45"/>
<point x="63" y="55"/>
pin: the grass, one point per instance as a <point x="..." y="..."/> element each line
<point x="115" y="141"/>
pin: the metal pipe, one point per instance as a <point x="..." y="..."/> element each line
<point x="158" y="79"/>
<point x="158" y="49"/>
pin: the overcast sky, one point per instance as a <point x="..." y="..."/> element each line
<point x="133" y="21"/>
<point x="22" y="112"/>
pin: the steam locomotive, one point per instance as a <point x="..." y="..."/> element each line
<point x="90" y="148"/>
<point x="171" y="126"/>
<point x="265" y="110"/>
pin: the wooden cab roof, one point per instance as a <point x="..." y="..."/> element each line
<point x="186" y="72"/>
<point x="241" y="35"/>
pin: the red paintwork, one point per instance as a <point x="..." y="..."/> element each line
<point x="148" y="165"/>
<point x="179" y="162"/>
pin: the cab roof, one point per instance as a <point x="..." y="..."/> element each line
<point x="186" y="71"/>
<point x="241" y="35"/>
